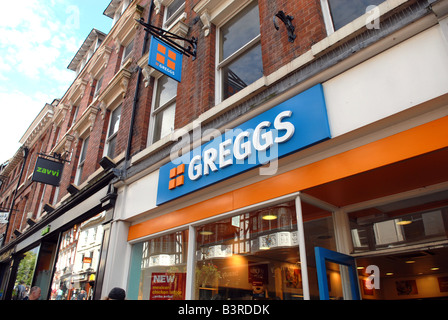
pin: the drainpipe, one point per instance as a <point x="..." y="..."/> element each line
<point x="136" y="94"/>
<point x="25" y="156"/>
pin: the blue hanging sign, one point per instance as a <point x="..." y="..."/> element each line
<point x="165" y="59"/>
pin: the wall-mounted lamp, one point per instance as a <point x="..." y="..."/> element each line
<point x="107" y="163"/>
<point x="30" y="222"/>
<point x="72" y="189"/>
<point x="48" y="208"/>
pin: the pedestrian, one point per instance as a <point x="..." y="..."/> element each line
<point x="116" y="294"/>
<point x="34" y="294"/>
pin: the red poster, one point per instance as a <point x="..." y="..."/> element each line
<point x="168" y="286"/>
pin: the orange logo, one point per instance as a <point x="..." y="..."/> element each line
<point x="166" y="57"/>
<point x="177" y="177"/>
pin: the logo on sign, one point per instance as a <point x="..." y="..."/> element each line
<point x="166" y="59"/>
<point x="293" y="125"/>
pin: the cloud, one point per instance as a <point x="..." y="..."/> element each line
<point x="12" y="131"/>
<point x="36" y="37"/>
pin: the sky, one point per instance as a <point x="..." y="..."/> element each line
<point x="38" y="40"/>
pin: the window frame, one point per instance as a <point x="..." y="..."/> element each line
<point x="168" y="22"/>
<point x="220" y="65"/>
<point x="109" y="136"/>
<point x="127" y="56"/>
<point x="156" y="110"/>
<point x="81" y="162"/>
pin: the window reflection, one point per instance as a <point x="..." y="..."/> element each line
<point x="411" y="221"/>
<point x="252" y="256"/>
<point x="345" y="11"/>
<point x="163" y="267"/>
<point x="78" y="259"/>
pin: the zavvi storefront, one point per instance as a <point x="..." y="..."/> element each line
<point x="61" y="254"/>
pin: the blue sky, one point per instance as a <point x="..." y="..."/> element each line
<point x="38" y="39"/>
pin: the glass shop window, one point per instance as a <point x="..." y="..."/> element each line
<point x="78" y="260"/>
<point x="343" y="12"/>
<point x="408" y="222"/>
<point x="25" y="274"/>
<point x="161" y="268"/>
<point x="252" y="256"/>
<point x="240" y="61"/>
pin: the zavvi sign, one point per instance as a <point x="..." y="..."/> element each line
<point x="48" y="171"/>
<point x="291" y="126"/>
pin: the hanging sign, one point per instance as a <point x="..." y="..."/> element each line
<point x="293" y="125"/>
<point x="48" y="171"/>
<point x="165" y="59"/>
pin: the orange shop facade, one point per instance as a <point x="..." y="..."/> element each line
<point x="371" y="199"/>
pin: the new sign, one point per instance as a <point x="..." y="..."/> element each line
<point x="165" y="59"/>
<point x="287" y="128"/>
<point x="48" y="171"/>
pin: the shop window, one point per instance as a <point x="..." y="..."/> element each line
<point x="25" y="274"/>
<point x="164" y="108"/>
<point x="112" y="133"/>
<point x="240" y="61"/>
<point x="78" y="260"/>
<point x="161" y="270"/>
<point x="173" y="11"/>
<point x="408" y="222"/>
<point x="251" y="256"/>
<point x="338" y="13"/>
<point x="82" y="159"/>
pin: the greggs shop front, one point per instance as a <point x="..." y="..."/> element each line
<point x="286" y="206"/>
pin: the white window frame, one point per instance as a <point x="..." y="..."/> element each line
<point x="127" y="56"/>
<point x="154" y="112"/>
<point x="109" y="138"/>
<point x="81" y="162"/>
<point x="327" y="16"/>
<point x="221" y="64"/>
<point x="167" y="22"/>
<point x="98" y="86"/>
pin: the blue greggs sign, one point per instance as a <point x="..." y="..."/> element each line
<point x="293" y="125"/>
<point x="165" y="58"/>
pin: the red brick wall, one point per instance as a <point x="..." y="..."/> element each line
<point x="309" y="29"/>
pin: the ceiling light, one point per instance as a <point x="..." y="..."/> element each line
<point x="269" y="217"/>
<point x="389" y="274"/>
<point x="360" y="268"/>
<point x="435" y="269"/>
<point x="404" y="222"/>
<point x="410" y="261"/>
<point x="206" y="233"/>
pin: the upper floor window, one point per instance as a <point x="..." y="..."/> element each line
<point x="173" y="11"/>
<point x="240" y="61"/>
<point x="164" y="108"/>
<point x="338" y="13"/>
<point x="127" y="52"/>
<point x="120" y="10"/>
<point x="82" y="159"/>
<point x="114" y="124"/>
<point x="98" y="85"/>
